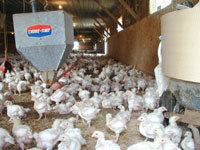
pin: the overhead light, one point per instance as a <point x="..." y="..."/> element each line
<point x="74" y="24"/>
<point x="60" y="6"/>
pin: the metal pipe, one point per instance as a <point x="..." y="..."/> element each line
<point x="35" y="6"/>
<point x="70" y="68"/>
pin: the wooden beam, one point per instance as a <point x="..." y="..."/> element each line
<point x="100" y="16"/>
<point x="129" y="9"/>
<point x="102" y="37"/>
<point x="102" y="26"/>
<point x="109" y="13"/>
<point x="100" y="30"/>
<point x="189" y="117"/>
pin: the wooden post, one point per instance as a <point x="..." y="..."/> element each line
<point x="109" y="13"/>
<point x="129" y="9"/>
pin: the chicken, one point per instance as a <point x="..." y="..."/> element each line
<point x="157" y="115"/>
<point x="15" y="111"/>
<point x="146" y="145"/>
<point x="62" y="108"/>
<point x="35" y="90"/>
<point x="48" y="91"/>
<point x="96" y="99"/>
<point x="42" y="107"/>
<point x="169" y="145"/>
<point x="1" y="86"/>
<point x="115" y="124"/>
<point x="161" y="80"/>
<point x="147" y="128"/>
<point x="141" y="84"/>
<point x="47" y="138"/>
<point x="135" y="102"/>
<point x="88" y="113"/>
<point x="111" y="100"/>
<point x="12" y="86"/>
<point x="22" y="133"/>
<point x="172" y="131"/>
<point x="151" y="100"/>
<point x="5" y="138"/>
<point x="22" y="86"/>
<point x="27" y="76"/>
<point x="123" y="115"/>
<point x="83" y="94"/>
<point x="62" y="124"/>
<point x="103" y="144"/>
<point x="75" y="109"/>
<point x="188" y="142"/>
<point x="75" y="133"/>
<point x="68" y="144"/>
<point x="59" y="96"/>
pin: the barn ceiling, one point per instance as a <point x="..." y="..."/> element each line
<point x="83" y="12"/>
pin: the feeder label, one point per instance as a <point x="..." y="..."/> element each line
<point x="39" y="30"/>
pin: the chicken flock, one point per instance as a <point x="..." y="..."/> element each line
<point x="93" y="86"/>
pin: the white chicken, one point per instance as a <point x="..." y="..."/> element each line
<point x="88" y="113"/>
<point x="103" y="144"/>
<point x="12" y="86"/>
<point x="147" y="128"/>
<point x="123" y="115"/>
<point x="169" y="145"/>
<point x="59" y="96"/>
<point x="83" y="94"/>
<point x="15" y="111"/>
<point x="111" y="100"/>
<point x="5" y="138"/>
<point x="157" y="115"/>
<point x="188" y="142"/>
<point x="75" y="133"/>
<point x="27" y="76"/>
<point x="146" y="145"/>
<point x="135" y="102"/>
<point x="62" y="108"/>
<point x="1" y="86"/>
<point x="22" y="86"/>
<point x="47" y="138"/>
<point x="68" y="144"/>
<point x="172" y="131"/>
<point x="42" y="107"/>
<point x="22" y="133"/>
<point x="141" y="84"/>
<point x="151" y="100"/>
<point x="62" y="124"/>
<point x="115" y="124"/>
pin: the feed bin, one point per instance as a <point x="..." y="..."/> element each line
<point x="45" y="39"/>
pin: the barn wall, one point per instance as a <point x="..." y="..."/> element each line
<point x="137" y="44"/>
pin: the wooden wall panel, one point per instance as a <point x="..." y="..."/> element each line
<point x="137" y="44"/>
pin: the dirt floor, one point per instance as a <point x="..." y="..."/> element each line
<point x="127" y="138"/>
